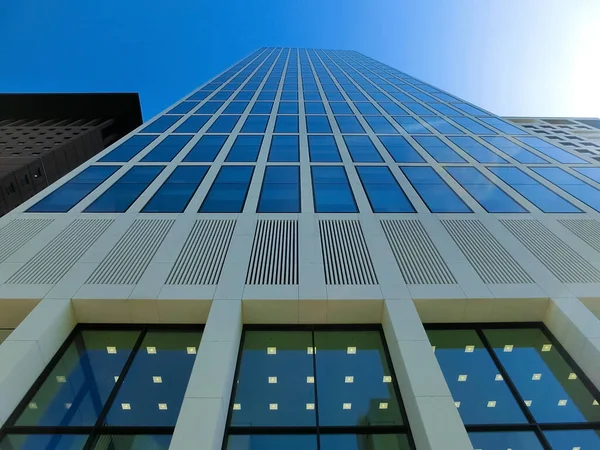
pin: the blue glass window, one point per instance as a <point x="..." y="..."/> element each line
<point x="286" y="124"/>
<point x="478" y="151"/>
<point x="467" y="108"/>
<point x="410" y="125"/>
<point x="444" y="109"/>
<point x="367" y="108"/>
<point x="442" y="125"/>
<point x="267" y="95"/>
<point x="160" y="125"/>
<point x="209" y="108"/>
<point x="383" y="191"/>
<point x="73" y="191"/>
<point x="473" y="126"/>
<point x="392" y="108"/>
<point x="255" y="124"/>
<point x="280" y="190"/>
<point x="434" y="191"/>
<point x="91" y="387"/>
<point x="516" y="151"/>
<point x="284" y="149"/>
<point x="334" y="96"/>
<point x="318" y="124"/>
<point x="361" y="149"/>
<point x="331" y="190"/>
<point x="288" y="108"/>
<point x="380" y="125"/>
<point x="439" y="150"/>
<point x="552" y="151"/>
<point x="223" y="124"/>
<point x="287" y="95"/>
<point x="192" y="124"/>
<point x="418" y="109"/>
<point x="174" y="195"/>
<point x="400" y="149"/>
<point x="571" y="184"/>
<point x="312" y="96"/>
<point x="314" y="108"/>
<point x="235" y="108"/>
<point x="570" y="439"/>
<point x="501" y="440"/>
<point x="487" y="194"/>
<point x="323" y="149"/>
<point x="222" y="95"/>
<point x="245" y="149"/>
<point x="183" y="108"/>
<point x="533" y="190"/>
<point x="262" y="108"/>
<point x="356" y="96"/>
<point x="340" y="108"/>
<point x="206" y="149"/>
<point x="119" y="197"/>
<point x="229" y="190"/>
<point x="128" y="149"/>
<point x="349" y="124"/>
<point x="199" y="95"/>
<point x="593" y="173"/>
<point x="503" y="126"/>
<point x="402" y="97"/>
<point x="167" y="149"/>
<point x="244" y="95"/>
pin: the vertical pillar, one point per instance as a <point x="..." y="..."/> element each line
<point x="433" y="418"/>
<point x="201" y="421"/>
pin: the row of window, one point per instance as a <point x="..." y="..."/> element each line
<point x="332" y="192"/>
<point x="304" y="388"/>
<point x="324" y="148"/>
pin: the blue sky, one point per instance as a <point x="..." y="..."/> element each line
<point x="513" y="57"/>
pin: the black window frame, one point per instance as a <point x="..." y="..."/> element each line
<point x="93" y="432"/>
<point x="531" y="425"/>
<point x="317" y="429"/>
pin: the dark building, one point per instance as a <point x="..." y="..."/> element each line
<point x="45" y="136"/>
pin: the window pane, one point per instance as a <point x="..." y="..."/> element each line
<point x="543" y="377"/>
<point x="516" y="151"/>
<point x="410" y="125"/>
<point x="174" y="195"/>
<point x="364" y="442"/>
<point x="317" y="124"/>
<point x="43" y="442"/>
<point x="340" y="108"/>
<point x="474" y="379"/>
<point x="76" y="389"/>
<point x="183" y="108"/>
<point x="192" y="124"/>
<point x="439" y="150"/>
<point x="209" y="108"/>
<point x="349" y="124"/>
<point x="166" y="150"/>
<point x="478" y="151"/>
<point x="314" y="108"/>
<point x="275" y="385"/>
<point x="570" y="439"/>
<point x="502" y="440"/>
<point x="206" y="149"/>
<point x="434" y="191"/>
<point x="288" y="108"/>
<point x="245" y="149"/>
<point x="223" y="124"/>
<point x="284" y="149"/>
<point x="473" y="126"/>
<point x="255" y="124"/>
<point x="235" y="108"/>
<point x="442" y="125"/>
<point x="392" y="108"/>
<point x="128" y="149"/>
<point x="487" y="194"/>
<point x="331" y="190"/>
<point x="323" y="149"/>
<point x="552" y="151"/>
<point x="367" y="108"/>
<point x="380" y="124"/>
<point x="361" y="149"/>
<point x="417" y="108"/>
<point x="272" y="442"/>
<point x="503" y="126"/>
<point x="262" y="108"/>
<point x="133" y="442"/>
<point x="353" y="380"/>
<point x="534" y="191"/>
<point x="383" y="191"/>
<point x="228" y="192"/>
<point x="154" y="386"/>
<point x="281" y="190"/>
<point x="286" y="124"/>
<point x="160" y="125"/>
<point x="571" y="184"/>
<point x="400" y="149"/>
<point x="593" y="173"/>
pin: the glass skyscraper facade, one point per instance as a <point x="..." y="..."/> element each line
<point x="312" y="251"/>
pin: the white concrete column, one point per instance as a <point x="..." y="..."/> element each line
<point x="201" y="422"/>
<point x="578" y="331"/>
<point x="29" y="348"/>
<point x="433" y="418"/>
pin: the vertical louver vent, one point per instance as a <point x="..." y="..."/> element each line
<point x="587" y="230"/>
<point x="50" y="264"/>
<point x="346" y="257"/>
<point x="567" y="265"/>
<point x="274" y="258"/>
<point x="489" y="259"/>
<point x="203" y="254"/>
<point x="17" y="233"/>
<point x="128" y="259"/>
<point x="418" y="259"/>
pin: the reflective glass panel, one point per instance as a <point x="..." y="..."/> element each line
<point x="281" y="190"/>
<point x="361" y="149"/>
<point x="128" y="149"/>
<point x="206" y="149"/>
<point x="439" y="150"/>
<point x="364" y="442"/>
<point x="331" y="190"/>
<point x="245" y="149"/>
<point x="434" y="191"/>
<point x="552" y="151"/>
<point x="478" y="151"/>
<point x="571" y="184"/>
<point x="411" y="125"/>
<point x="228" y="192"/>
<point x="167" y="149"/>
<point x="43" y="442"/>
<point x="516" y="151"/>
<point x="323" y="149"/>
<point x="133" y="442"/>
<point x="383" y="191"/>
<point x="573" y="439"/>
<point x="160" y="125"/>
<point x="503" y="440"/>
<point x="401" y="150"/>
<point x="272" y="442"/>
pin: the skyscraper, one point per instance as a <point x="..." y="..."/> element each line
<point x="312" y="251"/>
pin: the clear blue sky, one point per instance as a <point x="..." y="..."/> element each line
<point x="513" y="57"/>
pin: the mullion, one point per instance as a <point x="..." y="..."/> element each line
<point x="314" y="359"/>
<point x="528" y="414"/>
<point x="113" y="394"/>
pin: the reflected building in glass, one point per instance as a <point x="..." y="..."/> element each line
<point x="312" y="251"/>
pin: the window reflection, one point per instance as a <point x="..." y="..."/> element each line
<point x="515" y="440"/>
<point x="43" y="441"/>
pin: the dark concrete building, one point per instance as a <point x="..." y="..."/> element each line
<point x="45" y="136"/>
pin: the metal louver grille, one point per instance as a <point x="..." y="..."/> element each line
<point x="17" y="233"/>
